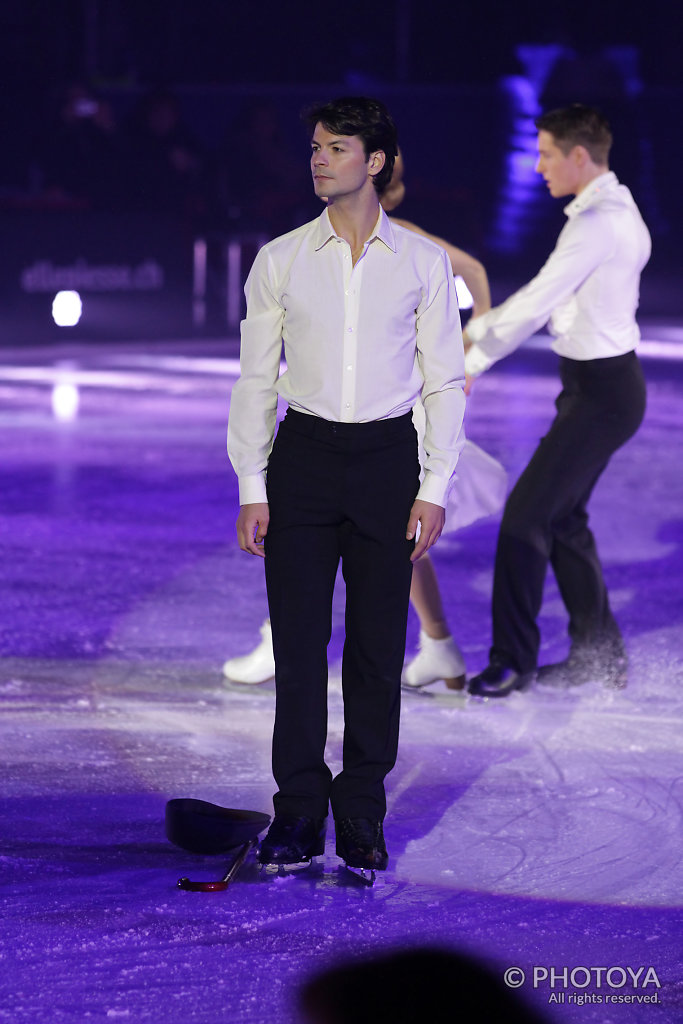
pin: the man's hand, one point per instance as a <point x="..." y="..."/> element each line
<point x="252" y="526"/>
<point x="431" y="518"/>
<point x="469" y="381"/>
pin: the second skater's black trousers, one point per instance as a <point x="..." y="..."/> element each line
<point x="545" y="521"/>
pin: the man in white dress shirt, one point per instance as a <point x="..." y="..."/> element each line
<point x="589" y="290"/>
<point x="368" y="317"/>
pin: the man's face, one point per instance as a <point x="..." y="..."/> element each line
<point x="561" y="172"/>
<point x="339" y="165"/>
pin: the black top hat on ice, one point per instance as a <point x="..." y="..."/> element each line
<point x="203" y="827"/>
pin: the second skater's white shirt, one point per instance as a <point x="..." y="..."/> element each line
<point x="361" y="343"/>
<point x="588" y="287"/>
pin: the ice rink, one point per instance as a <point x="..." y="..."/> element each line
<point x="540" y="831"/>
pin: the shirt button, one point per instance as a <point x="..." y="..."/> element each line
<point x="350" y="330"/>
<point x="349" y="367"/>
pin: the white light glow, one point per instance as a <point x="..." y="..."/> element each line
<point x="465" y="300"/>
<point x="65" y="401"/>
<point x="66" y="309"/>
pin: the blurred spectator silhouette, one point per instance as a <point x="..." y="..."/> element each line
<point x="78" y="154"/>
<point x="257" y="177"/>
<point x="585" y="74"/>
<point x="164" y="161"/>
<point x="412" y="986"/>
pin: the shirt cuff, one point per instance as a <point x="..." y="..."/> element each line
<point x="434" y="489"/>
<point x="476" y="361"/>
<point x="476" y="327"/>
<point x="253" y="489"/>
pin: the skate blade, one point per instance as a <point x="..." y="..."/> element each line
<point x="277" y="871"/>
<point x="266" y="688"/>
<point x="407" y="688"/>
<point x="439" y="694"/>
<point x="366" y="876"/>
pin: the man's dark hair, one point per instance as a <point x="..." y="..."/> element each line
<point x="578" y="125"/>
<point x="367" y="118"/>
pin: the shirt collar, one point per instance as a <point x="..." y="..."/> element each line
<point x="591" y="193"/>
<point x="382" y="230"/>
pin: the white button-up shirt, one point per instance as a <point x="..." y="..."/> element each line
<point x="361" y="342"/>
<point x="588" y="288"/>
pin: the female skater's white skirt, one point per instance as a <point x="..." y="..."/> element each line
<point x="478" y="490"/>
<point x="480" y="484"/>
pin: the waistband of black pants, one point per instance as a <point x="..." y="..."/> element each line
<point x="604" y="363"/>
<point x="392" y="428"/>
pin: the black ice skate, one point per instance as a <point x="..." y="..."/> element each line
<point x="360" y="844"/>
<point x="292" y="842"/>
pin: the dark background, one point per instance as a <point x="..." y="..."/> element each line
<point x="463" y="81"/>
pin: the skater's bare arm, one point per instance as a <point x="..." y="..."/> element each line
<point x="252" y="526"/>
<point x="431" y="518"/>
<point x="470" y="269"/>
<point x="469" y="379"/>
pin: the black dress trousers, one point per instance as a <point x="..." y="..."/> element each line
<point x="601" y="405"/>
<point x="338" y="491"/>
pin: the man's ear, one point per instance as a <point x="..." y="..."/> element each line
<point x="580" y="156"/>
<point x="376" y="162"/>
